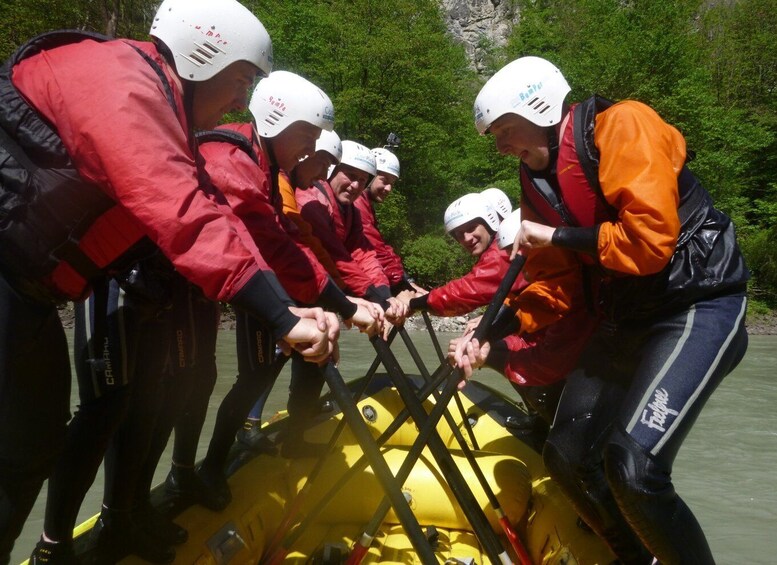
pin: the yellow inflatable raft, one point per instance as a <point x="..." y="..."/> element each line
<point x="268" y="495"/>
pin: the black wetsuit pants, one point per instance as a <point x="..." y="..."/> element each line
<point x="120" y="352"/>
<point x="623" y="416"/>
<point x="189" y="379"/>
<point x="258" y="367"/>
<point x="34" y="405"/>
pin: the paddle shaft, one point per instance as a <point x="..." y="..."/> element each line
<point x="499" y="297"/>
<point x="390" y="486"/>
<point x="455" y="479"/>
<point x="425" y="374"/>
<point x="360" y="463"/>
<point x="433" y="336"/>
<point x="294" y="507"/>
<point x="393" y="368"/>
<point x="512" y="536"/>
<point x="411" y="458"/>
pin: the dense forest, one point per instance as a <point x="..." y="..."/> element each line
<point x="709" y="67"/>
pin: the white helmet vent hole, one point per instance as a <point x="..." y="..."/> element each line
<point x="197" y="59"/>
<point x="273" y="118"/>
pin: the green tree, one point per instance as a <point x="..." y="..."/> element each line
<point x="434" y="260"/>
<point x="389" y="66"/>
<point x="21" y="20"/>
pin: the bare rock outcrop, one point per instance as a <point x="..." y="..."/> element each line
<point x="481" y="25"/>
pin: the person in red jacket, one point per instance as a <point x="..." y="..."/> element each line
<point x="387" y="167"/>
<point x="328" y="207"/>
<point x="535" y="372"/>
<point x="611" y="183"/>
<point x="473" y="223"/>
<point x="328" y="152"/>
<point x="289" y="113"/>
<point x="136" y="181"/>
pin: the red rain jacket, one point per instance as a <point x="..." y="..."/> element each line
<point x="477" y="287"/>
<point x="123" y="136"/>
<point x="247" y="186"/>
<point x="388" y="258"/>
<point x="340" y="230"/>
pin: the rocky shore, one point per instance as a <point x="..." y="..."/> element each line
<point x="756" y="325"/>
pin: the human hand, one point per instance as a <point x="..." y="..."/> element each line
<point x="368" y="317"/>
<point x="532" y="236"/>
<point x="472" y="324"/>
<point x="397" y="311"/>
<point x="386" y="331"/>
<point x="419" y="291"/>
<point x="315" y="335"/>
<point x="405" y="296"/>
<point x="468" y="354"/>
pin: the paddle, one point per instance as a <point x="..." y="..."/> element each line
<point x="511" y="535"/>
<point x="379" y="466"/>
<point x="417" y="358"/>
<point x="456" y="481"/>
<point x="361" y="463"/>
<point x="433" y="336"/>
<point x="294" y="507"/>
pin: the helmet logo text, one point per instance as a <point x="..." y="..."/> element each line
<point x="529" y="92"/>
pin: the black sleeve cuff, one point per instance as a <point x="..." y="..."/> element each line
<point x="334" y="300"/>
<point x="264" y="298"/>
<point x="378" y="294"/>
<point x="497" y="356"/>
<point x="420" y="302"/>
<point x="505" y="323"/>
<point x="584" y="240"/>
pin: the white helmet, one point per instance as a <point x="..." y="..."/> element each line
<point x="499" y="201"/>
<point x="284" y="98"/>
<point x="530" y="87"/>
<point x="386" y="161"/>
<point x="330" y="142"/>
<point x="357" y="156"/>
<point x="508" y="229"/>
<point x="469" y="207"/>
<point x="206" y="36"/>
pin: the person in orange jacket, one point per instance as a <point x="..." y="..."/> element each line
<point x="611" y="182"/>
<point x="328" y="207"/>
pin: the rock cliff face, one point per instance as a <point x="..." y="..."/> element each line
<point x="480" y="24"/>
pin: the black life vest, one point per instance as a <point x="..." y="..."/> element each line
<point x="706" y="261"/>
<point x="45" y="206"/>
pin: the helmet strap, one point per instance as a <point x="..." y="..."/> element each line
<point x="266" y="144"/>
<point x="188" y="105"/>
<point x="552" y="149"/>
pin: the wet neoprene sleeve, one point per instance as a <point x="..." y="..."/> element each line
<point x="420" y="302"/>
<point x="264" y="298"/>
<point x="379" y="295"/>
<point x="497" y="356"/>
<point x="333" y="299"/>
<point x="583" y="240"/>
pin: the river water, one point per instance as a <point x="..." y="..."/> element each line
<point x="725" y="470"/>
